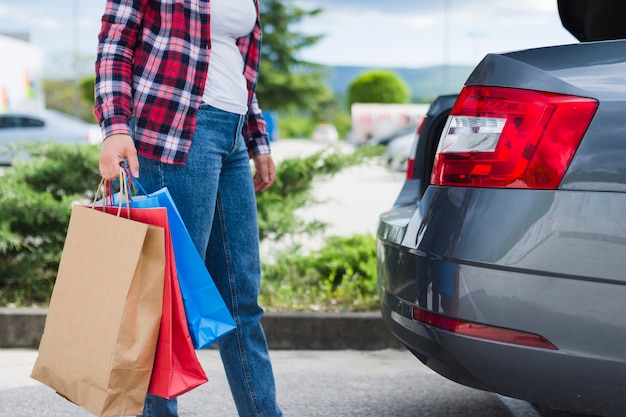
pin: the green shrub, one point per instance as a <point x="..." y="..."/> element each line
<point x="340" y="276"/>
<point x="301" y="126"/>
<point x="36" y="198"/>
<point x="378" y="86"/>
<point x="35" y="202"/>
<point x="295" y="126"/>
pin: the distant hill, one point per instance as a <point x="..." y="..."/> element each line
<point x="425" y="83"/>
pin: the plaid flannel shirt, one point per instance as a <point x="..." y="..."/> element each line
<point x="152" y="64"/>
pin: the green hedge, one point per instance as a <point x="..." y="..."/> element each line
<point x="35" y="202"/>
<point x="36" y="198"/>
<point x="341" y="276"/>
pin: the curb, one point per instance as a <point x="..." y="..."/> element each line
<point x="23" y="327"/>
<point x="328" y="331"/>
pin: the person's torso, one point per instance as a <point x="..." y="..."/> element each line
<point x="226" y="87"/>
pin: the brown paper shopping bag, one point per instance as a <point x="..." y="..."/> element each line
<point x="176" y="367"/>
<point x="101" y="330"/>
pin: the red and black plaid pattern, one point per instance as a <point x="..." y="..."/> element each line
<point x="152" y="63"/>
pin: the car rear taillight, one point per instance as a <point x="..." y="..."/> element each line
<point x="481" y="331"/>
<point x="410" y="164"/>
<point x="505" y="137"/>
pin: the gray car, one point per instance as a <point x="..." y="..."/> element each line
<point x="502" y="264"/>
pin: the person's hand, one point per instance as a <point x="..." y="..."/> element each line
<point x="264" y="172"/>
<point x="115" y="149"/>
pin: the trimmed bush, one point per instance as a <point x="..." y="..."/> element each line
<point x="36" y="198"/>
<point x="35" y="202"/>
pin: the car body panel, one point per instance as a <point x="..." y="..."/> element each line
<point x="42" y="126"/>
<point x="397" y="152"/>
<point x="387" y="139"/>
<point x="544" y="262"/>
<point x="431" y="129"/>
<point x="593" y="20"/>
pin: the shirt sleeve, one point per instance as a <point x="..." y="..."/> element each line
<point x="114" y="64"/>
<point x="255" y="131"/>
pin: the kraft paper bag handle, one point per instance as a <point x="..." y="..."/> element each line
<point x="105" y="191"/>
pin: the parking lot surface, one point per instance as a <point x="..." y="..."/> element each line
<point x="383" y="383"/>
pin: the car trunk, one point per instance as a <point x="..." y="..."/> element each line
<point x="593" y="20"/>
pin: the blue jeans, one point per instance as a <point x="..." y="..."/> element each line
<point x="214" y="193"/>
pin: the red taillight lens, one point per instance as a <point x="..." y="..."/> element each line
<point x="505" y="137"/>
<point x="481" y="331"/>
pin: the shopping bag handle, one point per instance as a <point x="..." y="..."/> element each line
<point x="131" y="183"/>
<point x="105" y="190"/>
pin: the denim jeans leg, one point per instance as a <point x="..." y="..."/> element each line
<point x="159" y="407"/>
<point x="214" y="194"/>
<point x="232" y="258"/>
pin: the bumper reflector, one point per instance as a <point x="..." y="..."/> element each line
<point x="481" y="331"/>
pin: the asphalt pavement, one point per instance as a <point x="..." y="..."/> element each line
<point x="343" y="383"/>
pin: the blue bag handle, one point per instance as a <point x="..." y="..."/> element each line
<point x="130" y="183"/>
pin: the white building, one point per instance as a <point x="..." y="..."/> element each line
<point x="371" y="120"/>
<point x="21" y="75"/>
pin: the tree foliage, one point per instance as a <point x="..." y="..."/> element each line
<point x="66" y="97"/>
<point x="378" y="86"/>
<point x="286" y="82"/>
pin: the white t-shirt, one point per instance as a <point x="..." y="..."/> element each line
<point x="226" y="87"/>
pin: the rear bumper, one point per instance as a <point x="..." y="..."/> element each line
<point x="545" y="263"/>
<point x="551" y="378"/>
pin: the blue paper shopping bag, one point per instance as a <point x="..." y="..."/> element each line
<point x="207" y="315"/>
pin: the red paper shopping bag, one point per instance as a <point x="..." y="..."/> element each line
<point x="176" y="367"/>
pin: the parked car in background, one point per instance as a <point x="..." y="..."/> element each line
<point x="397" y="153"/>
<point x="501" y="263"/>
<point x="398" y="145"/>
<point x="325" y="132"/>
<point x="386" y="140"/>
<point x="42" y="126"/>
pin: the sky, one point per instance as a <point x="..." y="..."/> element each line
<point x="374" y="33"/>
